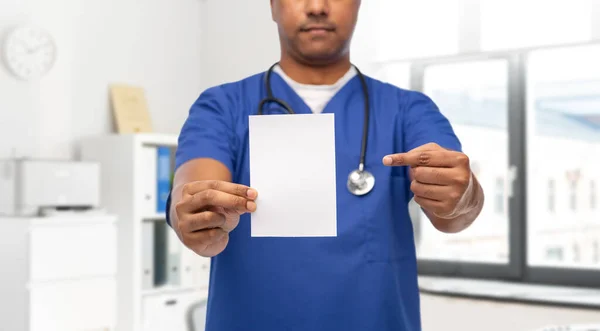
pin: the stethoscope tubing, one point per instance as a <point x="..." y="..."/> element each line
<point x="289" y="110"/>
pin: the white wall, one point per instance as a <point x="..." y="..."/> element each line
<point x="240" y="39"/>
<point x="154" y="44"/>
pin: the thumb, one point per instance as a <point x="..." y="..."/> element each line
<point x="411" y="173"/>
<point x="233" y="212"/>
<point x="227" y="212"/>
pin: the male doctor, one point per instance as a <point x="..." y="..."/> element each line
<point x="365" y="278"/>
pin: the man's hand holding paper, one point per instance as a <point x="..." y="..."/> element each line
<point x="208" y="211"/>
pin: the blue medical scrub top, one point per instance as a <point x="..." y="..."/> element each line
<point x="363" y="279"/>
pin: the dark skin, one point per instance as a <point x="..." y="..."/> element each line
<point x="315" y="40"/>
<point x="440" y="183"/>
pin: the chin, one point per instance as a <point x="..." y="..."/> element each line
<point x="320" y="57"/>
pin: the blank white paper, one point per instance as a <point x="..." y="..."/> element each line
<point x="292" y="166"/>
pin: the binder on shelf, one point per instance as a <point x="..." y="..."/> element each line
<point x="149" y="166"/>
<point x="195" y="269"/>
<point x="163" y="178"/>
<point x="148" y="255"/>
<point x="173" y="257"/>
<point x="189" y="268"/>
<point x="161" y="273"/>
<point x="167" y="256"/>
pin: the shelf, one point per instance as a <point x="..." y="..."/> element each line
<point x="154" y="217"/>
<point x="147" y="245"/>
<point x="170" y="289"/>
<point x="156" y="139"/>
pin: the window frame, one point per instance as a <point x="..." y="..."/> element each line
<point x="517" y="268"/>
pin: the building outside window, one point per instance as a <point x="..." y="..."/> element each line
<point x="551" y="196"/>
<point x="576" y="253"/>
<point x="573" y="195"/>
<point x="499" y="203"/>
<point x="563" y="107"/>
<point x="593" y="201"/>
<point x="573" y="178"/>
<point x="554" y="254"/>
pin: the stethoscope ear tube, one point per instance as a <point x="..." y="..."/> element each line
<point x="360" y="181"/>
<point x="363" y="147"/>
<point x="280" y="102"/>
<point x="270" y="98"/>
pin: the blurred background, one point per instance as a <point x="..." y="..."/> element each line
<point x="100" y="89"/>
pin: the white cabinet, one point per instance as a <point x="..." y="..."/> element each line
<point x="75" y="305"/>
<point x="60" y="273"/>
<point x="72" y="250"/>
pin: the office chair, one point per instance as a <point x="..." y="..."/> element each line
<point x="196" y="316"/>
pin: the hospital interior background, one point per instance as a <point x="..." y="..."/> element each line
<point x="519" y="81"/>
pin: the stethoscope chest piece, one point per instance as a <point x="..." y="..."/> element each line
<point x="360" y="182"/>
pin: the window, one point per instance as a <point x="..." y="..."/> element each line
<point x="499" y="201"/>
<point x="417" y="220"/>
<point x="593" y="195"/>
<point x="395" y="73"/>
<point x="551" y="196"/>
<point x="403" y="29"/>
<point x="473" y="96"/>
<point x="554" y="253"/>
<point x="475" y="168"/>
<point x="534" y="23"/>
<point x="531" y="119"/>
<point x="573" y="178"/>
<point x="563" y="114"/>
<point x="573" y="195"/>
<point x="576" y="253"/>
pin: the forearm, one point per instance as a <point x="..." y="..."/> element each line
<point x="466" y="216"/>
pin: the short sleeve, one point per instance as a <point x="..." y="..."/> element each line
<point x="424" y="123"/>
<point x="208" y="131"/>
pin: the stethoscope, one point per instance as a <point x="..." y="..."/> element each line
<point x="360" y="181"/>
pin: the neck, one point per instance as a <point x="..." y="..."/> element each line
<point x="313" y="74"/>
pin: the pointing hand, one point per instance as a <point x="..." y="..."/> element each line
<point x="441" y="179"/>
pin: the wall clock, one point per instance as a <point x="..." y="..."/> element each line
<point x="29" y="52"/>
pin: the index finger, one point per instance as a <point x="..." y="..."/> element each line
<point x="421" y="158"/>
<point x="213" y="198"/>
<point x="218" y="185"/>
